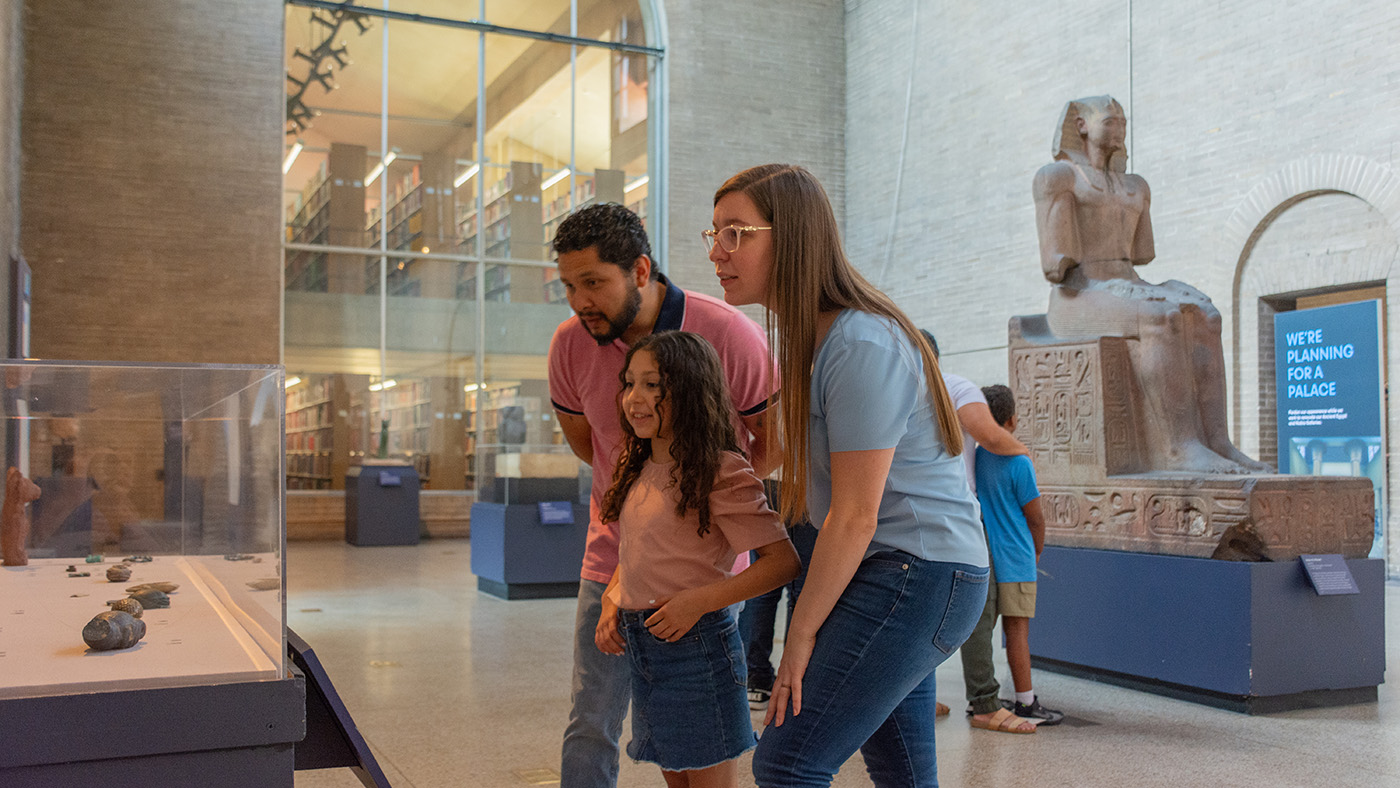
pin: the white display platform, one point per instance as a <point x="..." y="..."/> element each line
<point x="212" y="631"/>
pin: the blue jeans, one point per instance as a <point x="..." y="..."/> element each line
<point x="601" y="690"/>
<point x="869" y="684"/>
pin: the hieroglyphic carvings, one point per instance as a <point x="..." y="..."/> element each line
<point x="1059" y="393"/>
<point x="1188" y="516"/>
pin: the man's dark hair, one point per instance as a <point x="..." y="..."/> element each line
<point x="616" y="232"/>
<point x="1001" y="402"/>
<point x="933" y="343"/>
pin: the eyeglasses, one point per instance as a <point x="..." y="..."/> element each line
<point x="728" y="237"/>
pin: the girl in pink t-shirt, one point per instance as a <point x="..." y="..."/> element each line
<point x="686" y="502"/>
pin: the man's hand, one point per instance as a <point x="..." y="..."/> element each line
<point x="607" y="636"/>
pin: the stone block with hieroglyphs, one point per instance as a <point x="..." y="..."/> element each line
<point x="1080" y="414"/>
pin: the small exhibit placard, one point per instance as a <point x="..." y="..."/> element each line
<point x="556" y="513"/>
<point x="1329" y="574"/>
<point x="390" y="479"/>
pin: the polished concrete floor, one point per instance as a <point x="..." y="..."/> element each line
<point x="452" y="687"/>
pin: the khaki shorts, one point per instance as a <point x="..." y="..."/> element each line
<point x="1016" y="599"/>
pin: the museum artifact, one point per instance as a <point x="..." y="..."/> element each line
<point x="80" y="574"/>
<point x="139" y="559"/>
<point x="14" y="518"/>
<point x="151" y="598"/>
<point x="93" y="559"/>
<point x="265" y="583"/>
<point x="113" y="630"/>
<point x="163" y="585"/>
<point x="1122" y="383"/>
<point x="119" y="573"/>
<point x="127" y="605"/>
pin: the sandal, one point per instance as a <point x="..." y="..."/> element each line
<point x="1003" y="721"/>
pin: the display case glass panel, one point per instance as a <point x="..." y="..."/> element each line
<point x="166" y="473"/>
<point x="524" y="456"/>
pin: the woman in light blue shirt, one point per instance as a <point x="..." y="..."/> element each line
<point x="870" y="444"/>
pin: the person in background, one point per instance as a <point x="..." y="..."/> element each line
<point x="979" y="672"/>
<point x="1015" y="538"/>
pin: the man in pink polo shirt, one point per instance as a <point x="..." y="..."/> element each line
<point x="618" y="297"/>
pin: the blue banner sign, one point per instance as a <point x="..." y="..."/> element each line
<point x="1330" y="399"/>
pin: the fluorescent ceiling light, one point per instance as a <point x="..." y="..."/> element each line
<point x="555" y="178"/>
<point x="291" y="156"/>
<point x="379" y="168"/>
<point x="292" y="381"/>
<point x="470" y="387"/>
<point x="390" y="383"/>
<point x="637" y="184"/>
<point x="466" y="176"/>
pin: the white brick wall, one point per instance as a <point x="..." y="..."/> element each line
<point x="751" y="82"/>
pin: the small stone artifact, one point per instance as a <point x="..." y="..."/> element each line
<point x="151" y="598"/>
<point x="265" y="583"/>
<point x="163" y="585"/>
<point x="127" y="605"/>
<point x="139" y="559"/>
<point x="119" y="573"/>
<point x="113" y="630"/>
<point x="238" y="557"/>
<point x="14" y="518"/>
<point x="80" y="574"/>
<point x="93" y="559"/>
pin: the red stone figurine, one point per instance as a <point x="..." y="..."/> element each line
<point x="14" y="519"/>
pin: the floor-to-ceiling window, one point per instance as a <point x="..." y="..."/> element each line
<point x="432" y="148"/>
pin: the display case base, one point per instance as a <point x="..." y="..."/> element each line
<point x="1250" y="637"/>
<point x="528" y="590"/>
<point x="516" y="556"/>
<point x="214" y="736"/>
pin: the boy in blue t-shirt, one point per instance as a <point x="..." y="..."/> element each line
<point x="1015" y="537"/>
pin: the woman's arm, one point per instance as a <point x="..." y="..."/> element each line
<point x="857" y="482"/>
<point x="775" y="564"/>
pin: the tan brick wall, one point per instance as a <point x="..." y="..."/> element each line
<point x="11" y="76"/>
<point x="152" y="134"/>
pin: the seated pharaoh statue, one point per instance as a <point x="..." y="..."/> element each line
<point x="1095" y="228"/>
<point x="1121" y="384"/>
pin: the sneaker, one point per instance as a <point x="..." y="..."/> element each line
<point x="1039" y="713"/>
<point x="758" y="699"/>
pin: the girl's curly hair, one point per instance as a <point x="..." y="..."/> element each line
<point x="701" y="422"/>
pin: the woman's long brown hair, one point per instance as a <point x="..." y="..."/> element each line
<point x="811" y="275"/>
<point x="701" y="420"/>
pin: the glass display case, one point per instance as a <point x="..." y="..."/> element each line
<point x="125" y="474"/>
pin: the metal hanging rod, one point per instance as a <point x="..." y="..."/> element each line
<point x="483" y="27"/>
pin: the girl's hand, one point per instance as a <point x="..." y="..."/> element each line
<point x="797" y="650"/>
<point x="676" y="616"/>
<point x="607" y="636"/>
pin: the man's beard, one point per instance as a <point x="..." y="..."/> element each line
<point x="618" y="325"/>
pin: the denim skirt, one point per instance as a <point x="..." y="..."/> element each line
<point x="690" y="709"/>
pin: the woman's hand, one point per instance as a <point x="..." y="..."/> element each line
<point x="607" y="636"/>
<point x="676" y="616"/>
<point x="797" y="650"/>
